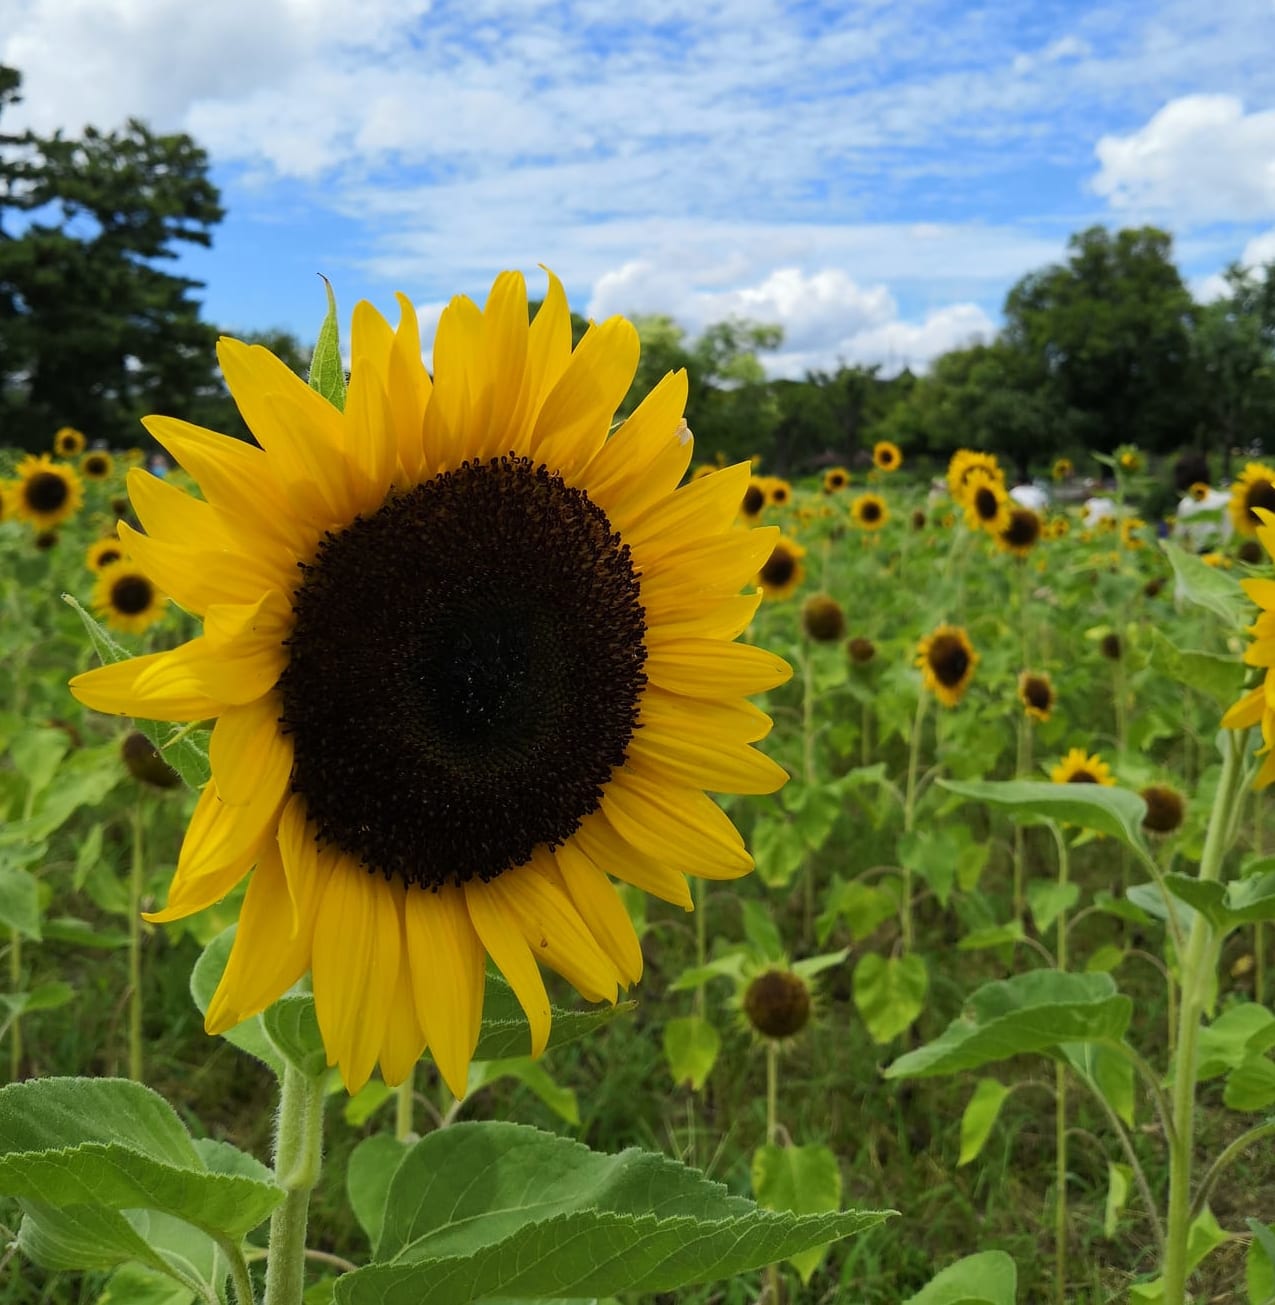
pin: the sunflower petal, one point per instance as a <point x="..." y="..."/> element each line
<point x="710" y="668"/>
<point x="600" y="907"/>
<point x="500" y="934"/>
<point x="157" y="686"/>
<point x="598" y="840"/>
<point x="404" y="1042"/>
<point x="661" y="755"/>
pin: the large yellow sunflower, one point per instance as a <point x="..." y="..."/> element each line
<point x="887" y="456"/>
<point x="1257" y="706"/>
<point x="1254" y="489"/>
<point x="782" y="571"/>
<point x="101" y="553"/>
<point x="869" y="511"/>
<point x="68" y="441"/>
<point x="963" y="463"/>
<point x="126" y="598"/>
<point x="986" y="503"/>
<point x="947" y="660"/>
<point x="46" y="493"/>
<point x="504" y="675"/>
<point x="1079" y="768"/>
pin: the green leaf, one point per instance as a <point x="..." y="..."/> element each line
<point x="813" y="810"/>
<point x="980" y="1117"/>
<point x="19" y="902"/>
<point x="115" y="1144"/>
<point x="47" y="996"/>
<point x="131" y="1284"/>
<point x="1243" y="1030"/>
<point x="803" y="1180"/>
<point x="729" y="966"/>
<point x="1203" y="1237"/>
<point x="291" y="1024"/>
<point x="531" y="1074"/>
<point x="1225" y="906"/>
<point x="1048" y="899"/>
<point x="1105" y="959"/>
<point x="890" y="993"/>
<point x="366" y="1102"/>
<point x="1029" y="1012"/>
<point x="762" y="932"/>
<point x="250" y="1034"/>
<point x="1120" y="907"/>
<point x="992" y="935"/>
<point x="1259" y="1264"/>
<point x="810" y="967"/>
<point x="988" y="1278"/>
<point x="80" y="933"/>
<point x="505" y="1033"/>
<point x="861" y="906"/>
<point x="1218" y="678"/>
<point x="370" y="1170"/>
<point x="691" y="1045"/>
<point x="1208" y="587"/>
<point x="327" y="371"/>
<point x="1251" y="1085"/>
<point x="1119" y="1177"/>
<point x="82" y="1237"/>
<point x="493" y="1209"/>
<point x="778" y="850"/>
<point x="36" y="755"/>
<point x="1102" y="808"/>
<point x="1108" y="1072"/>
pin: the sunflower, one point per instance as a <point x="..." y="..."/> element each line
<point x="986" y="503"/>
<point x="46" y="493"/>
<point x="1130" y="460"/>
<point x="753" y="499"/>
<point x="68" y="442"/>
<point x="886" y="456"/>
<point x="1199" y="491"/>
<point x="1078" y="768"/>
<point x="1063" y="469"/>
<point x="1058" y="528"/>
<point x="869" y="511"/>
<point x="947" y="660"/>
<point x="1036" y="693"/>
<point x="778" y="492"/>
<point x="100" y="554"/>
<point x="1257" y="706"/>
<point x="504" y="674"/>
<point x="777" y="1003"/>
<point x="1021" y="533"/>
<point x="1129" y="532"/>
<point x="97" y="464"/>
<point x="782" y="571"/>
<point x="126" y="598"/>
<point x="861" y="650"/>
<point x="962" y="465"/>
<point x="822" y="618"/>
<point x="835" y="479"/>
<point x="1254" y="489"/>
<point x="1220" y="561"/>
<point x="1166" y="808"/>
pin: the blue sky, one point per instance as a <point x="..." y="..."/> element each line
<point x="872" y="176"/>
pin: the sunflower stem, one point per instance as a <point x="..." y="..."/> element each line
<point x="404" y="1101"/>
<point x="15" y="1026"/>
<point x="1060" y="1097"/>
<point x="808" y="779"/>
<point x="909" y="814"/>
<point x="298" y="1155"/>
<point x="774" y="1293"/>
<point x="1259" y="928"/>
<point x="136" y="876"/>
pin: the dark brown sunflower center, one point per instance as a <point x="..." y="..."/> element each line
<point x="1023" y="529"/>
<point x="986" y="504"/>
<point x="95" y="465"/>
<point x="131" y="595"/>
<point x="108" y="555"/>
<point x="1261" y="494"/>
<point x="949" y="660"/>
<point x="1082" y="777"/>
<point x="46" y="491"/>
<point x="778" y="569"/>
<point x="1038" y="694"/>
<point x="754" y="500"/>
<point x="777" y="1004"/>
<point x="464" y="673"/>
<point x="871" y="511"/>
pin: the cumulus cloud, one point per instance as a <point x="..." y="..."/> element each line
<point x="1201" y="158"/>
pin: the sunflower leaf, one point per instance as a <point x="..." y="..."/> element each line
<point x="494" y="1209"/>
<point x="505" y="1034"/>
<point x="249" y="1035"/>
<point x="988" y="1278"/>
<point x="327" y="371"/>
<point x="1207" y="587"/>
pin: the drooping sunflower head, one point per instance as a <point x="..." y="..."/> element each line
<point x="1254" y="489"/>
<point x="1036" y="693"/>
<point x="947" y="660"/>
<point x="869" y="511"/>
<point x="777" y="1003"/>
<point x="919" y="519"/>
<point x="470" y="656"/>
<point x="835" y="479"/>
<point x="1199" y="491"/>
<point x="126" y="598"/>
<point x="1063" y="469"/>
<point x="143" y="761"/>
<point x="782" y="572"/>
<point x="754" y="499"/>
<point x="861" y="650"/>
<point x="97" y="464"/>
<point x="68" y="441"/>
<point x="1079" y="767"/>
<point x="1021" y="533"/>
<point x="1153" y="586"/>
<point x="45" y="541"/>
<point x="886" y="456"/>
<point x="45" y="492"/>
<point x="1166" y="808"/>
<point x="1111" y="646"/>
<point x="102" y="553"/>
<point x="778" y="492"/>
<point x="822" y="618"/>
<point x="986" y="503"/>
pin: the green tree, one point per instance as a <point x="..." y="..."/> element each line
<point x="93" y="332"/>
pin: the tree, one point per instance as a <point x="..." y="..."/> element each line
<point x="93" y="333"/>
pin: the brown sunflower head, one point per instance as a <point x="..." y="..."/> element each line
<point x="1153" y="586"/>
<point x="918" y="519"/>
<point x="861" y="650"/>
<point x="45" y="540"/>
<point x="777" y="1004"/>
<point x="1111" y="647"/>
<point x="754" y="498"/>
<point x="1250" y="552"/>
<point x="1165" y="809"/>
<point x="144" y="763"/>
<point x="1036" y="692"/>
<point x="1022" y="532"/>
<point x="822" y="618"/>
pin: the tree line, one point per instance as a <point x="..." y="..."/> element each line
<point x="1106" y="347"/>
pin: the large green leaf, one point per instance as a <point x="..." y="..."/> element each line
<point x="1208" y="587"/>
<point x="531" y="1074"/>
<point x="1217" y="677"/>
<point x="1225" y="906"/>
<point x="979" y="1117"/>
<point x="482" y="1210"/>
<point x="691" y="1045"/>
<point x="19" y="902"/>
<point x="1030" y="1012"/>
<point x="889" y="993"/>
<point x="116" y="1145"/>
<point x="802" y="1180"/>
<point x="1100" y="807"/>
<point x="1243" y="1030"/>
<point x="1251" y="1085"/>
<point x="988" y="1278"/>
<point x="1106" y="1071"/>
<point x="371" y="1169"/>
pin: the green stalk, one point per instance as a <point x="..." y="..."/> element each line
<point x="1197" y="966"/>
<point x="808" y="779"/>
<point x="1259" y="928"/>
<point x="404" y="1101"/>
<point x="774" y="1292"/>
<point x="135" y="880"/>
<point x="909" y="814"/>
<point x="1060" y="1101"/>
<point x="298" y="1155"/>
<point x="15" y="1026"/>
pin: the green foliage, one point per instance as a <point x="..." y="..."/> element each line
<point x="988" y="1278"/>
<point x="802" y="1180"/>
<point x="889" y="992"/>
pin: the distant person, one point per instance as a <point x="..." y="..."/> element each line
<point x="158" y="465"/>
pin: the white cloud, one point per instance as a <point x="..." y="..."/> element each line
<point x="1260" y="250"/>
<point x="1201" y="158"/>
<point x="1065" y="47"/>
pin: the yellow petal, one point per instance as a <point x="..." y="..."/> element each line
<point x="600" y="907"/>
<point x="404" y="1041"/>
<point x="195" y="578"/>
<point x="706" y="506"/>
<point x="158" y="686"/>
<point x="504" y="355"/>
<point x="548" y="347"/>
<point x="499" y="933"/>
<point x="373" y="442"/>
<point x="306" y="867"/>
<point x="170" y="514"/>
<point x="241" y="748"/>
<point x="1240" y="716"/>
<point x="707" y="722"/>
<point x="448" y="976"/>
<point x="409" y="390"/>
<point x="709" y="668"/>
<point x="665" y="756"/>
<point x="189" y="894"/>
<point x="456" y="363"/>
<point x="727" y="618"/>
<point x="598" y="839"/>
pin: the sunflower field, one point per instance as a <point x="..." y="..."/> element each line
<point x="432" y="972"/>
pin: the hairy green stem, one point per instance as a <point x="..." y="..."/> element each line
<point x="298" y="1155"/>
<point x="774" y="1293"/>
<point x="1060" y="1098"/>
<point x="404" y="1101"/>
<point x="239" y="1274"/>
<point x="909" y="815"/>
<point x="136" y="876"/>
<point x="1215" y="1170"/>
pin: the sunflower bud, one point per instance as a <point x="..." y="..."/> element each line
<point x="1153" y="586"/>
<point x="861" y="650"/>
<point x="1165" y="809"/>
<point x="1110" y="647"/>
<point x="145" y="764"/>
<point x="45" y="540"/>
<point x="822" y="618"/>
<point x="777" y="1004"/>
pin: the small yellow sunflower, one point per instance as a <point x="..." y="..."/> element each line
<point x="46" y="493"/>
<point x="531" y="627"/>
<point x="1036" y="693"/>
<point x="753" y="500"/>
<point x="1130" y="459"/>
<point x="101" y="553"/>
<point x="1130" y="532"/>
<point x="947" y="660"/>
<point x="963" y="464"/>
<point x="1063" y="469"/>
<point x="68" y="441"/>
<point x="126" y="598"/>
<point x="1254" y="489"/>
<point x="1220" y="561"/>
<point x="986" y="503"/>
<point x="1058" y="527"/>
<point x="835" y="479"/>
<point x="1020" y="533"/>
<point x="1199" y="491"/>
<point x="869" y="511"/>
<point x="783" y="571"/>
<point x="97" y="464"/>
<point x="886" y="456"/>
<point x="778" y="492"/>
<point x="1078" y="768"/>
